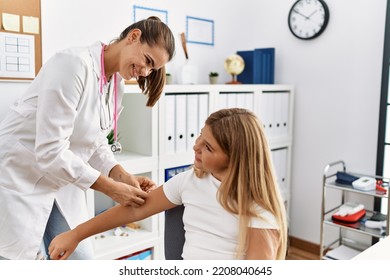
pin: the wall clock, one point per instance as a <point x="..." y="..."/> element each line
<point x="308" y="18"/>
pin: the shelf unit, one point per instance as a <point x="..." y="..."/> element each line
<point x="143" y="134"/>
<point x="342" y="241"/>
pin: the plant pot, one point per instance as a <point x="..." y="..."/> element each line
<point x="169" y="80"/>
<point x="213" y="80"/>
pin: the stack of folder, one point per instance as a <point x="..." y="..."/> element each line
<point x="274" y="113"/>
<point x="184" y="116"/>
<point x="236" y="100"/>
<point x="259" y="66"/>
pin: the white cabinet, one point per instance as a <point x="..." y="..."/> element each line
<point x="161" y="138"/>
<point x="345" y="242"/>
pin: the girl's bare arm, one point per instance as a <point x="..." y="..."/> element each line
<point x="263" y="244"/>
<point x="64" y="244"/>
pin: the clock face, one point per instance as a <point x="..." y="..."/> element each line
<point x="308" y="18"/>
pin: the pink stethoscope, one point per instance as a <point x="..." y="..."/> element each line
<point x="116" y="146"/>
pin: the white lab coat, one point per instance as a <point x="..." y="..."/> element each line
<point x="52" y="147"/>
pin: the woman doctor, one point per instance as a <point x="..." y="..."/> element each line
<point x="53" y="141"/>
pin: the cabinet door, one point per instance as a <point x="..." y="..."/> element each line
<point x="280" y="159"/>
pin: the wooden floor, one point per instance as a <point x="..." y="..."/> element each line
<point x="295" y="253"/>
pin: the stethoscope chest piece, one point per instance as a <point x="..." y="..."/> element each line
<point x="116" y="147"/>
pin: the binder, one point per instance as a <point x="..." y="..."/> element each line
<point x="247" y="75"/>
<point x="231" y="100"/>
<point x="279" y="157"/>
<point x="281" y="114"/>
<point x="192" y="120"/>
<point x="241" y="99"/>
<point x="249" y="103"/>
<point x="259" y="66"/>
<point x="266" y="59"/>
<point x="278" y="114"/>
<point x="266" y="113"/>
<point x="276" y="164"/>
<point x="283" y="174"/>
<point x="285" y="111"/>
<point x="222" y="101"/>
<point x="169" y="124"/>
<point x="180" y="121"/>
<point x="203" y="109"/>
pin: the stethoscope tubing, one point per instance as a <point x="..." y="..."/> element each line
<point x="115" y="147"/>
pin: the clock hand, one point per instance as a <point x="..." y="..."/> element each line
<point x="300" y="14"/>
<point x="309" y="17"/>
<point x="311" y="14"/>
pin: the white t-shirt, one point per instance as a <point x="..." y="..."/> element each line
<point x="211" y="232"/>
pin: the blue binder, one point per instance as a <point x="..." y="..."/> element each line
<point x="170" y="172"/>
<point x="259" y="66"/>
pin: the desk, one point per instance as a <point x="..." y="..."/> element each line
<point x="378" y="251"/>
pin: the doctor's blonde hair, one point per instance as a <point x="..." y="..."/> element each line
<point x="250" y="176"/>
<point x="154" y="32"/>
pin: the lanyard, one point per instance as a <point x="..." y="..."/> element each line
<point x="115" y="147"/>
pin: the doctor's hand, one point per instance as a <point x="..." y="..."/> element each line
<point x="63" y="245"/>
<point x="121" y="192"/>
<point x="128" y="195"/>
<point x="143" y="182"/>
<point x="146" y="183"/>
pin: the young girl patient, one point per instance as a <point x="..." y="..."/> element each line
<point x="233" y="208"/>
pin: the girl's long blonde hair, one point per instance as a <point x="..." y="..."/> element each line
<point x="250" y="179"/>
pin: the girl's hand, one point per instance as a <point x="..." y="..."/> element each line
<point x="63" y="245"/>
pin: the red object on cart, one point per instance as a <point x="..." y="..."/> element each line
<point x="353" y="218"/>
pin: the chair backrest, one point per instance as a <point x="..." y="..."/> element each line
<point x="174" y="233"/>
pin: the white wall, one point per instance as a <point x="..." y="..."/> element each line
<point x="64" y="25"/>
<point x="337" y="76"/>
<point x="337" y="79"/>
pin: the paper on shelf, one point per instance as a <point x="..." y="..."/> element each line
<point x="349" y="208"/>
<point x="342" y="253"/>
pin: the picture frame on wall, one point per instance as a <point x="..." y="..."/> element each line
<point x="140" y="13"/>
<point x="200" y="31"/>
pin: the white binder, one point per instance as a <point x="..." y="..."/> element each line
<point x="266" y="113"/>
<point x="285" y="111"/>
<point x="241" y="100"/>
<point x="277" y="115"/>
<point x="192" y="120"/>
<point x="279" y="157"/>
<point x="181" y="127"/>
<point x="281" y="113"/>
<point x="203" y="109"/>
<point x="231" y="100"/>
<point x="222" y="101"/>
<point x="169" y="124"/>
<point x="249" y="103"/>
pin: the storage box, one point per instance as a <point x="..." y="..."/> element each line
<point x="141" y="255"/>
<point x="259" y="66"/>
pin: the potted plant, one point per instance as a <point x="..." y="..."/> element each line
<point x="213" y="77"/>
<point x="111" y="138"/>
